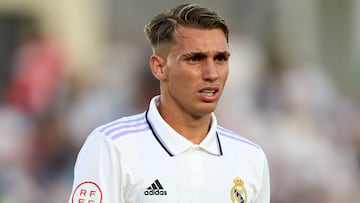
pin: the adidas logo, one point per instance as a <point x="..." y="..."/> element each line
<point x="155" y="189"/>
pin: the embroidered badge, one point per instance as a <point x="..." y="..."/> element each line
<point x="87" y="192"/>
<point x="238" y="192"/>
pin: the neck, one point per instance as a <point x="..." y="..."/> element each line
<point x="193" y="129"/>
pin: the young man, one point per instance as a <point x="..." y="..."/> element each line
<point x="176" y="151"/>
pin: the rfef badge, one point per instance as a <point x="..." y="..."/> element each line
<point x="238" y="192"/>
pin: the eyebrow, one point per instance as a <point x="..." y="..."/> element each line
<point x="203" y="54"/>
<point x="225" y="54"/>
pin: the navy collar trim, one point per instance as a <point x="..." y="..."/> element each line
<point x="163" y="145"/>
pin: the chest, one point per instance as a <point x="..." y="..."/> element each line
<point x="192" y="177"/>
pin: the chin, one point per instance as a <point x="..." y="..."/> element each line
<point x="207" y="109"/>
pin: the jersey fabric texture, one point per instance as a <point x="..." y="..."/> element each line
<point x="141" y="159"/>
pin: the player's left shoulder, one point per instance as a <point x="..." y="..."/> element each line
<point x="230" y="137"/>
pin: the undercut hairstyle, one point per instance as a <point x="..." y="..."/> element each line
<point x="159" y="31"/>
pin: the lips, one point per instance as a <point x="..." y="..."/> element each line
<point x="209" y="94"/>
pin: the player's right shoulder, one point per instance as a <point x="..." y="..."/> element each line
<point x="123" y="127"/>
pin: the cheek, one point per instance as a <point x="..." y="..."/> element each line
<point x="181" y="82"/>
<point x="178" y="80"/>
<point x="181" y="74"/>
<point x="224" y="73"/>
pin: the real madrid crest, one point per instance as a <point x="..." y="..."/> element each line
<point x="238" y="192"/>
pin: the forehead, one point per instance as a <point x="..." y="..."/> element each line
<point x="203" y="40"/>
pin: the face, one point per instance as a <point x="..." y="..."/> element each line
<point x="194" y="72"/>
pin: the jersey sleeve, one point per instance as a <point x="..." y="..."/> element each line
<point x="96" y="172"/>
<point x="264" y="193"/>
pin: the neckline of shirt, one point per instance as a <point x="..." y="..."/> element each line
<point x="174" y="143"/>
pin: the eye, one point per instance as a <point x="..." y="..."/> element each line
<point x="222" y="57"/>
<point x="195" y="57"/>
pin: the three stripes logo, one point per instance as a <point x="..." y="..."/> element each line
<point x="155" y="189"/>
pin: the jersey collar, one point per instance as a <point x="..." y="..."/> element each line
<point x="174" y="143"/>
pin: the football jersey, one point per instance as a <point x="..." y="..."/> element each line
<point x="141" y="159"/>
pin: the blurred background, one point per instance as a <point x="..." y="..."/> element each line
<point x="294" y="87"/>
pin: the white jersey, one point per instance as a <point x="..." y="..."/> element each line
<point x="141" y="159"/>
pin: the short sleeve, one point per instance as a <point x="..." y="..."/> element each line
<point x="96" y="172"/>
<point x="263" y="195"/>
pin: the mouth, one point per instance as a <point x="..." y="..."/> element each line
<point x="209" y="94"/>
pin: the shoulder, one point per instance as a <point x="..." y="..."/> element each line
<point x="234" y="138"/>
<point x="114" y="137"/>
<point x="117" y="129"/>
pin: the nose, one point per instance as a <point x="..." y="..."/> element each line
<point x="210" y="71"/>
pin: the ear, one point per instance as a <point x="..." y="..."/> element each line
<point x="157" y="65"/>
